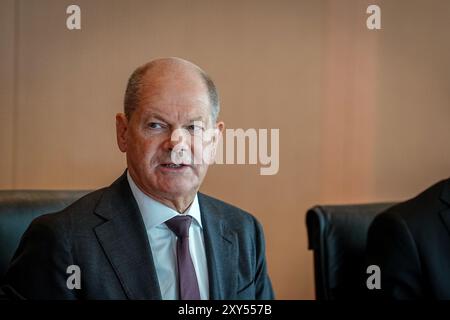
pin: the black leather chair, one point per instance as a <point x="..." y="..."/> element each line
<point x="337" y="234"/>
<point x="19" y="207"/>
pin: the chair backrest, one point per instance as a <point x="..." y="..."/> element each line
<point x="19" y="207"/>
<point x="338" y="234"/>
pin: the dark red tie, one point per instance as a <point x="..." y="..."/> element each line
<point x="187" y="279"/>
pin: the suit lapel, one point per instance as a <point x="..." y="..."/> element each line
<point x="221" y="251"/>
<point x="445" y="197"/>
<point x="125" y="242"/>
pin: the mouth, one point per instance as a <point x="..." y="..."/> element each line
<point x="174" y="167"/>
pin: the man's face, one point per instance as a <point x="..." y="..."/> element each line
<point x="168" y="106"/>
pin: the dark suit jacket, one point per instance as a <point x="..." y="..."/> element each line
<point x="104" y="234"/>
<point x="411" y="245"/>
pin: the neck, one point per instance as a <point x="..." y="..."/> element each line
<point x="179" y="204"/>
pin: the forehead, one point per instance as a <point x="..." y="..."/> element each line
<point x="174" y="91"/>
<point x="174" y="104"/>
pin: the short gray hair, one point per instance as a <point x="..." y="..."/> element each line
<point x="132" y="99"/>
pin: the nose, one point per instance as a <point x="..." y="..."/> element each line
<point x="179" y="146"/>
<point x="179" y="139"/>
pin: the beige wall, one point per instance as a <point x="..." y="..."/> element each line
<point x="363" y="115"/>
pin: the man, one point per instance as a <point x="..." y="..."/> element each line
<point x="411" y="245"/>
<point x="151" y="234"/>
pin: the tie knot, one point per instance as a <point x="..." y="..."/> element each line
<point x="180" y="225"/>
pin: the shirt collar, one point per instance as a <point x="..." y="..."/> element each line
<point x="154" y="213"/>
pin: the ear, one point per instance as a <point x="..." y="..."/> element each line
<point x="220" y="126"/>
<point x="121" y="131"/>
<point x="213" y="136"/>
<point x="218" y="130"/>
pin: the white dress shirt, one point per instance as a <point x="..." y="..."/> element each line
<point x="163" y="243"/>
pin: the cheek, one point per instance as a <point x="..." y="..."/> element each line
<point x="196" y="145"/>
<point x="203" y="150"/>
<point x="144" y="149"/>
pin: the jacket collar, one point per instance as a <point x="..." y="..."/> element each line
<point x="445" y="197"/>
<point x="221" y="250"/>
<point x="125" y="242"/>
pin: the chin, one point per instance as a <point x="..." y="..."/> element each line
<point x="179" y="189"/>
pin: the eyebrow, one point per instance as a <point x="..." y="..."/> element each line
<point x="157" y="116"/>
<point x="199" y="118"/>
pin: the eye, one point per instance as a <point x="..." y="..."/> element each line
<point x="155" y="125"/>
<point x="195" y="128"/>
